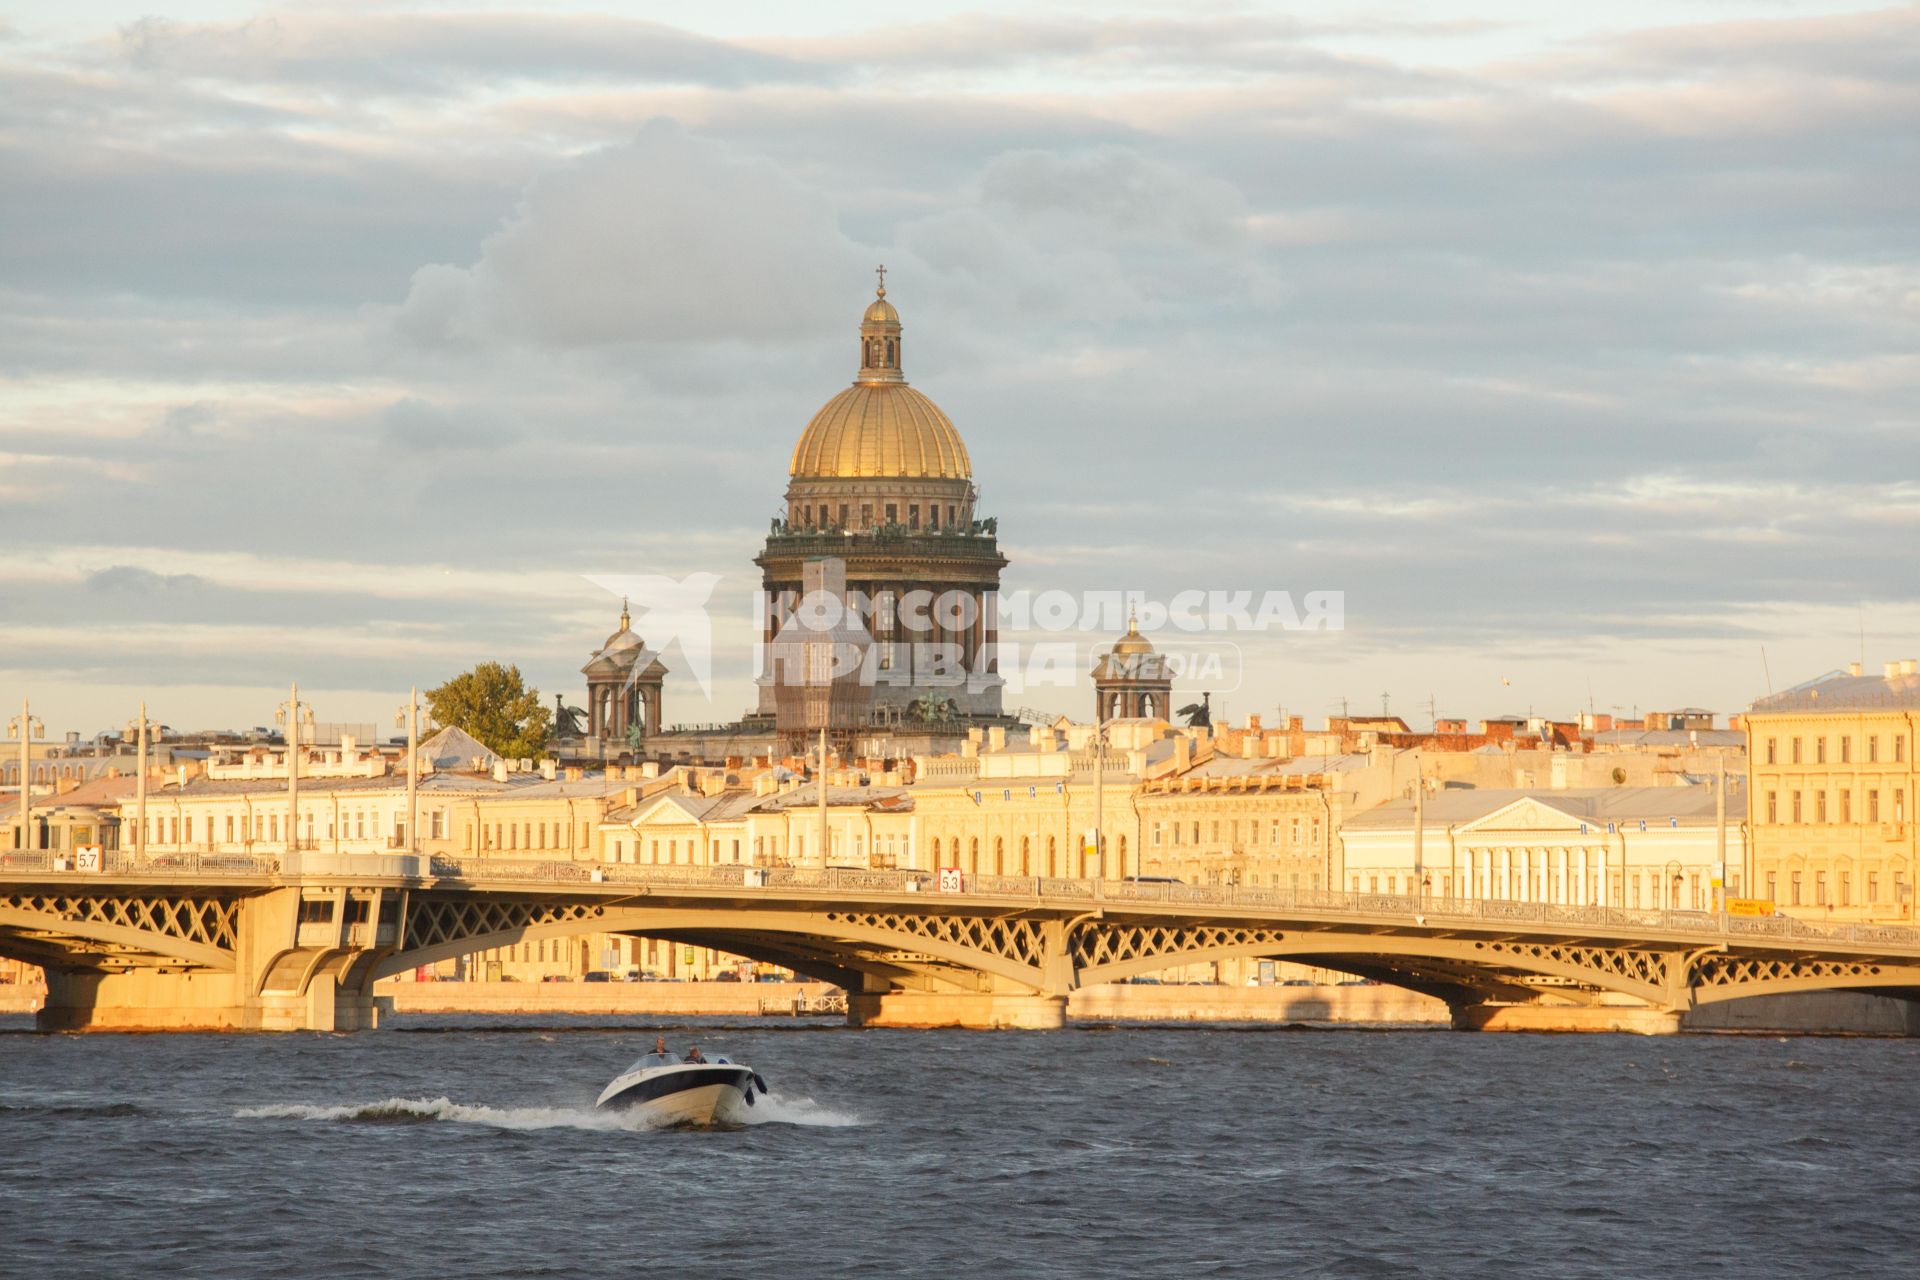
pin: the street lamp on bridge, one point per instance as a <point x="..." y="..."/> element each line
<point x="293" y="713"/>
<point x="27" y="727"/>
<point x="408" y="718"/>
<point x="139" y="730"/>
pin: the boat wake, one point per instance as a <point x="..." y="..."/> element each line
<point x="772" y="1108"/>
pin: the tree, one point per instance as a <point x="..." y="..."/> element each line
<point x="492" y="703"/>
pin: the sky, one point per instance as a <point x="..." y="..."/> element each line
<point x="353" y="344"/>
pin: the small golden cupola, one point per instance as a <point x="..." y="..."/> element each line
<point x="880" y="338"/>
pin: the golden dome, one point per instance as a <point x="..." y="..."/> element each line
<point x="881" y="429"/>
<point x="880" y="426"/>
<point x="1133" y="641"/>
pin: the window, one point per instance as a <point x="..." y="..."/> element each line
<point x="893" y="513"/>
<point x="229" y="828"/>
<point x="1899" y="805"/>
<point x="1873" y="749"/>
<point x="1846" y="750"/>
<point x="1773" y="751"/>
<point x="1873" y="806"/>
<point x="1846" y="805"/>
<point x="1794" y="886"/>
<point x="1773" y="806"/>
<point x="1156" y="835"/>
<point x="1796" y="751"/>
<point x="1819" y="806"/>
<point x="1899" y="748"/>
<point x="1820" y="750"/>
<point x="1773" y="886"/>
<point x="1846" y="888"/>
<point x="1873" y="886"/>
<point x="1796" y="806"/>
<point x="1819" y="888"/>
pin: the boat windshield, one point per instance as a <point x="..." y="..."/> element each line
<point x="655" y="1060"/>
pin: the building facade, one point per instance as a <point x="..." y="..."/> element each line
<point x="1834" y="782"/>
<point x="1632" y="847"/>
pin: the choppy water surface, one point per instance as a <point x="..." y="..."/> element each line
<point x="443" y="1148"/>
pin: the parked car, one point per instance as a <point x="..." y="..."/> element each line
<point x="772" y="977"/>
<point x="1296" y="982"/>
<point x="1360" y="982"/>
<point x="726" y="975"/>
<point x="596" y="975"/>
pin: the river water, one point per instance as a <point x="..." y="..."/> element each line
<point x="469" y="1148"/>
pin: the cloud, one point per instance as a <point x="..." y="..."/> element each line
<point x="670" y="238"/>
<point x="129" y="579"/>
<point x="409" y="52"/>
<point x="1605" y="344"/>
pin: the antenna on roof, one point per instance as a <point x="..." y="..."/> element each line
<point x="1766" y="670"/>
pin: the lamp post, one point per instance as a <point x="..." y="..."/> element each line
<point x="140" y="730"/>
<point x="293" y="713"/>
<point x="1100" y="802"/>
<point x="408" y="718"/>
<point x="27" y="726"/>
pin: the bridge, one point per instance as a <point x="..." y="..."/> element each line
<point x="230" y="942"/>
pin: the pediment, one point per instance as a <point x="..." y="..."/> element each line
<point x="1527" y="814"/>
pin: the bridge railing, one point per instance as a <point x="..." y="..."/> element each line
<point x="1421" y="910"/>
<point x="184" y="865"/>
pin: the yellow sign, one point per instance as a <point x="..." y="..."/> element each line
<point x="1749" y="907"/>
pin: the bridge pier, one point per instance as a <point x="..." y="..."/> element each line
<point x="141" y="1000"/>
<point x="1640" y="1020"/>
<point x="976" y="1010"/>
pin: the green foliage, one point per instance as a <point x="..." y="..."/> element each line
<point x="494" y="704"/>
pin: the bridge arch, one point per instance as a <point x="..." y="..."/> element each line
<point x="1001" y="947"/>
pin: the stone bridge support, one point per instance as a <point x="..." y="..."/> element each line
<point x="299" y="958"/>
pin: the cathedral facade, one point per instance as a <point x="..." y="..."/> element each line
<point x="880" y="485"/>
<point x="881" y="481"/>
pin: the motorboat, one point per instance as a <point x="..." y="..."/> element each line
<point x="670" y="1090"/>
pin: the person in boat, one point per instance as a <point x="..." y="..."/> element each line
<point x="693" y="1054"/>
<point x="660" y="1044"/>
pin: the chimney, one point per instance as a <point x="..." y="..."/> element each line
<point x="765" y="785"/>
<point x="1909" y="667"/>
<point x="651" y="769"/>
<point x="547" y="769"/>
<point x="997" y="738"/>
<point x="970" y="749"/>
<point x="575" y="773"/>
<point x="1182" y="752"/>
<point x="1853" y="668"/>
<point x="180" y="777"/>
<point x="1253" y="724"/>
<point x="499" y="771"/>
<point x="1891" y="670"/>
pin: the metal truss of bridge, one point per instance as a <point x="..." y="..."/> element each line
<point x="249" y="944"/>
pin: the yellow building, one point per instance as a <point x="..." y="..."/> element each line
<point x="1834" y="775"/>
